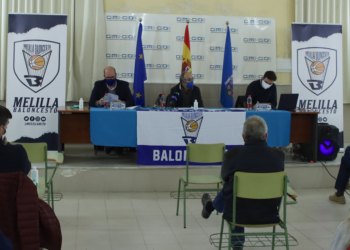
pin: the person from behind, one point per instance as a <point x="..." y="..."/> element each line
<point x="342" y="178"/>
<point x="263" y="90"/>
<point x="111" y="85"/>
<point x="254" y="157"/>
<point x="13" y="158"/>
<point x="185" y="93"/>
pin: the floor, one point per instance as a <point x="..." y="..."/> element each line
<point x="147" y="221"/>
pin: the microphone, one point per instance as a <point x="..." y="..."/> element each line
<point x="173" y="99"/>
<point x="157" y="101"/>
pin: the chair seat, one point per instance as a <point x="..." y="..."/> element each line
<point x="202" y="179"/>
<point x="55" y="156"/>
<point x="256" y="225"/>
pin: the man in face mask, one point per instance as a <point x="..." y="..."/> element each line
<point x="13" y="158"/>
<point x="110" y="85"/>
<point x="264" y="90"/>
<point x="185" y="93"/>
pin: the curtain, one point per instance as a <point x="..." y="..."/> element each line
<point x="329" y="11"/>
<point x="86" y="44"/>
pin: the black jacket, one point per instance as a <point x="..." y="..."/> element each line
<point x="253" y="157"/>
<point x="261" y="95"/>
<point x="122" y="90"/>
<point x="13" y="158"/>
<point x="196" y="94"/>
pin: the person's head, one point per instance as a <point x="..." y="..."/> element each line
<point x="269" y="77"/>
<point x="110" y="75"/>
<point x="5" y="116"/>
<point x="255" y="128"/>
<point x="186" y="80"/>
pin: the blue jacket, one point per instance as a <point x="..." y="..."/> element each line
<point x="122" y="90"/>
<point x="253" y="157"/>
<point x="13" y="158"/>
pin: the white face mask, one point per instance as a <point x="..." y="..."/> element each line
<point x="2" y="136"/>
<point x="265" y="85"/>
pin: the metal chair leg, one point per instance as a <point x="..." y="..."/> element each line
<point x="52" y="199"/>
<point x="273" y="238"/>
<point x="178" y="198"/>
<point x="184" y="206"/>
<point x="221" y="232"/>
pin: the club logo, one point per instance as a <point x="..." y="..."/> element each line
<point x="317" y="68"/>
<point x="36" y="63"/>
<point x="191" y="123"/>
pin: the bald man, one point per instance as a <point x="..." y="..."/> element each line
<point x="185" y="92"/>
<point x="111" y="85"/>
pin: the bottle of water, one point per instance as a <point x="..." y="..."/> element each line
<point x="35" y="176"/>
<point x="105" y="101"/>
<point x="195" y="104"/>
<point x="249" y="102"/>
<point x="81" y="104"/>
<point x="162" y="101"/>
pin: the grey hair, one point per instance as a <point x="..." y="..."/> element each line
<point x="255" y="128"/>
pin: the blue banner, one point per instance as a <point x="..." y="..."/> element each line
<point x="140" y="72"/>
<point x="226" y="98"/>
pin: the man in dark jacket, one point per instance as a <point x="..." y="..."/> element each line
<point x="263" y="90"/>
<point x="184" y="93"/>
<point x="110" y="85"/>
<point x="13" y="158"/>
<point x="254" y="157"/>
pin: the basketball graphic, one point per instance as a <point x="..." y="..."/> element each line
<point x="191" y="126"/>
<point x="317" y="68"/>
<point x="36" y="62"/>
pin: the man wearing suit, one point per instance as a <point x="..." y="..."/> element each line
<point x="185" y="92"/>
<point x="254" y="157"/>
<point x="13" y="158"/>
<point x="263" y="90"/>
<point x="110" y="85"/>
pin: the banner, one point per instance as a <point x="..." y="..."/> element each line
<point x="317" y="71"/>
<point x="253" y="46"/>
<point x="36" y="76"/>
<point x="162" y="136"/>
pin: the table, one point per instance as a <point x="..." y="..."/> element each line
<point x="74" y="126"/>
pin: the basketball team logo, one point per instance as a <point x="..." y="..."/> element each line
<point x="317" y="68"/>
<point x="191" y="123"/>
<point x="36" y="63"/>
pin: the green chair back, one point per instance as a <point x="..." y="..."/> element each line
<point x="260" y="185"/>
<point x="205" y="153"/>
<point x="37" y="152"/>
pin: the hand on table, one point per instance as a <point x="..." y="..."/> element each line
<point x="100" y="102"/>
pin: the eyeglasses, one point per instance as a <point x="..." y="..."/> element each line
<point x="189" y="80"/>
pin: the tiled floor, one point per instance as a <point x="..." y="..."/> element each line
<point x="145" y="221"/>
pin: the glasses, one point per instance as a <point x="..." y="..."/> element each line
<point x="189" y="80"/>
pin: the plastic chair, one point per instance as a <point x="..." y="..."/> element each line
<point x="37" y="152"/>
<point x="259" y="186"/>
<point x="200" y="153"/>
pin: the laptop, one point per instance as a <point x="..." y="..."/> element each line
<point x="288" y="102"/>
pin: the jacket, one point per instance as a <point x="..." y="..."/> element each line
<point x="253" y="157"/>
<point x="196" y="94"/>
<point x="13" y="158"/>
<point x="122" y="90"/>
<point x="261" y="95"/>
<point x="28" y="222"/>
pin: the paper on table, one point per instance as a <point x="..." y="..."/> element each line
<point x="132" y="107"/>
<point x="112" y="97"/>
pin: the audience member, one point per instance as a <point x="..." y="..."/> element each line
<point x="341" y="240"/>
<point x="255" y="157"/>
<point x="13" y="158"/>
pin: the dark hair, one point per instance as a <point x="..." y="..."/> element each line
<point x="5" y="115"/>
<point x="270" y="75"/>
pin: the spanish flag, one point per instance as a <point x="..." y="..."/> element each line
<point x="186" y="55"/>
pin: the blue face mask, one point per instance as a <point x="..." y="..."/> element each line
<point x="189" y="85"/>
<point x="110" y="82"/>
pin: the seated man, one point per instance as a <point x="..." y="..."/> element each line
<point x="342" y="178"/>
<point x="186" y="92"/>
<point x="13" y="158"/>
<point x="254" y="157"/>
<point x="263" y="90"/>
<point x="110" y="85"/>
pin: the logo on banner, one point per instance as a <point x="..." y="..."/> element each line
<point x="120" y="37"/>
<point x="315" y="69"/>
<point x="192" y="20"/>
<point x="257" y="40"/>
<point x="156" y="47"/>
<point x="31" y="60"/>
<point x="157" y="66"/>
<point x="195" y="76"/>
<point x="125" y="75"/>
<point x="257" y="58"/>
<point x="223" y="30"/>
<point x="257" y="22"/>
<point x="157" y="28"/>
<point x="120" y="56"/>
<point x="193" y="57"/>
<point x="198" y="39"/>
<point x="221" y="67"/>
<point x="252" y="77"/>
<point x="221" y="49"/>
<point x="191" y="123"/>
<point x="120" y="18"/>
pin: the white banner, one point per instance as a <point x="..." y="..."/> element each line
<point x="317" y="71"/>
<point x="36" y="76"/>
<point x="162" y="136"/>
<point x="253" y="42"/>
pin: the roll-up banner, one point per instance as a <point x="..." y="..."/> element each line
<point x="36" y="76"/>
<point x="317" y="71"/>
<point x="253" y="42"/>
